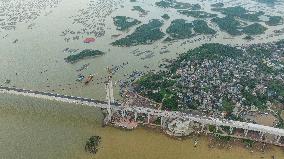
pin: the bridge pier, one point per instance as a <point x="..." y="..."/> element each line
<point x="123" y="113"/>
<point x="162" y="121"/>
<point x="202" y="127"/>
<point x="278" y="138"/>
<point x="148" y="118"/>
<point x="108" y="116"/>
<point x="261" y="135"/>
<point x="135" y="116"/>
<point x="217" y="128"/>
<point x="231" y="130"/>
<point x="246" y="132"/>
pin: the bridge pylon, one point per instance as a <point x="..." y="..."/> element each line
<point x="109" y="93"/>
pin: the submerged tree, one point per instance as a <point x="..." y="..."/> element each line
<point x="92" y="144"/>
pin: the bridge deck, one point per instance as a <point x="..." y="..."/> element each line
<point x="159" y="113"/>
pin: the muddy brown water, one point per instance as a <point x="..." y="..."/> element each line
<point x="46" y="129"/>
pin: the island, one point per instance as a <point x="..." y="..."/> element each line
<point x="197" y="14"/>
<point x="180" y="29"/>
<point x="139" y="9"/>
<point x="123" y="23"/>
<point x="274" y="20"/>
<point x="165" y="16"/>
<point x="144" y="34"/>
<point x="83" y="55"/>
<point x="177" y="5"/>
<point x="240" y="12"/>
<point x="254" y="29"/>
<point x="201" y="27"/>
<point x="217" y="5"/>
<point x="228" y="24"/>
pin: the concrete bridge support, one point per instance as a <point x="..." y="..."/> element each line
<point x="148" y="118"/>
<point x="217" y="128"/>
<point x="162" y="122"/>
<point x="246" y="132"/>
<point x="135" y="116"/>
<point x="202" y="127"/>
<point x="123" y="113"/>
<point x="278" y="138"/>
<point x="261" y="135"/>
<point x="231" y="130"/>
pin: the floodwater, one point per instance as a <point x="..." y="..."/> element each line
<point x="32" y="128"/>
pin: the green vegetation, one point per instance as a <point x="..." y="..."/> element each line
<point x="139" y="9"/>
<point x="240" y="12"/>
<point x="217" y="5"/>
<point x="223" y="138"/>
<point x="197" y="14"/>
<point x="124" y="23"/>
<point x="212" y="51"/>
<point x="92" y="144"/>
<point x="281" y="119"/>
<point x="276" y="88"/>
<point x="83" y="54"/>
<point x="201" y="27"/>
<point x="233" y="26"/>
<point x="248" y="37"/>
<point x="228" y="105"/>
<point x="259" y="100"/>
<point x="180" y="29"/>
<point x="195" y="7"/>
<point x="177" y="5"/>
<point x="212" y="128"/>
<point x="228" y="24"/>
<point x="164" y="4"/>
<point x="268" y="2"/>
<point x="274" y="20"/>
<point x="158" y="88"/>
<point x="254" y="29"/>
<point x="165" y="16"/>
<point x="280" y="43"/>
<point x="208" y="51"/>
<point x="248" y="143"/>
<point x="132" y="0"/>
<point x="144" y="34"/>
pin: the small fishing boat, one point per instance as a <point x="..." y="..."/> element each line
<point x="89" y="79"/>
<point x="80" y="78"/>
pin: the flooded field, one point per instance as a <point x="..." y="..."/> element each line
<point x="33" y="37"/>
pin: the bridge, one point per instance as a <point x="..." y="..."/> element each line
<point x="219" y="124"/>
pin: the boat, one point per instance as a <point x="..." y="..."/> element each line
<point x="80" y="78"/>
<point x="89" y="78"/>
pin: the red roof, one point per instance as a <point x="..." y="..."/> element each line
<point x="89" y="40"/>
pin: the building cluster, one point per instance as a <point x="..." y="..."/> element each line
<point x="226" y="84"/>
